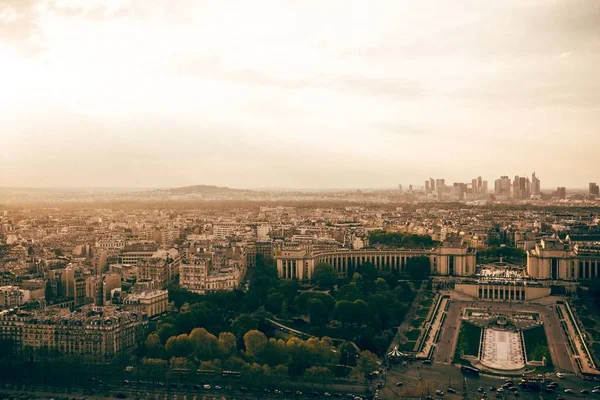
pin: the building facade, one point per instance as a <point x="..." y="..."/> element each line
<point x="555" y="259"/>
<point x="452" y="258"/>
<point x="152" y="302"/>
<point x="97" y="334"/>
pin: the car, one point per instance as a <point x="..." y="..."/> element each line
<point x="207" y="387"/>
<point x="584" y="391"/>
<point x="277" y="391"/>
<point x="492" y="388"/>
<point x="428" y="398"/>
<point x="568" y="390"/>
<point x="480" y="389"/>
<point x="398" y="384"/>
<point x="596" y="387"/>
<point x="427" y="362"/>
<point x="197" y="387"/>
<point x="559" y="375"/>
<point x="500" y="390"/>
<point x="439" y="392"/>
<point x="298" y="393"/>
<point x="451" y="390"/>
<point x="217" y="387"/>
<point x="549" y="390"/>
<point x="327" y="394"/>
<point x="559" y="397"/>
<point x="596" y="391"/>
<point x="243" y="388"/>
<point x="338" y="395"/>
<point x="517" y="394"/>
<point x="513" y="388"/>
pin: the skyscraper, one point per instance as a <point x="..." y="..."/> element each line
<point x="561" y="193"/>
<point x="474" y="186"/>
<point x="535" y="185"/>
<point x="594" y="189"/>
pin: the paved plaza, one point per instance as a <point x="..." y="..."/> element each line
<point x="502" y="350"/>
<point x="557" y="342"/>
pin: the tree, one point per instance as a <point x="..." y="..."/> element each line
<point x="180" y="363"/>
<point x="289" y="289"/>
<point x="154" y="348"/>
<point x="153" y="367"/>
<point x="227" y="345"/>
<point x="349" y="292"/>
<point x="317" y="312"/>
<point x="368" y="271"/>
<point x="180" y="346"/>
<point x="275" y="303"/>
<point x="255" y="342"/>
<point x="205" y="343"/>
<point x="318" y="374"/>
<point x="243" y="324"/>
<point x="186" y="321"/>
<point x="325" y="275"/>
<point x="367" y="363"/>
<point x="348" y="354"/>
<point x="418" y="268"/>
<point x="301" y="301"/>
<point x="166" y="331"/>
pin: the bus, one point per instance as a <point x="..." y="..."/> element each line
<point x="469" y="370"/>
<point x="231" y="374"/>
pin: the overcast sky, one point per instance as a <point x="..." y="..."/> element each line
<point x="305" y="94"/>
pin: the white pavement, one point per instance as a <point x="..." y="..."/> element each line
<point x="502" y="350"/>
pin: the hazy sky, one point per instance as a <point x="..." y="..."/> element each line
<point x="305" y="94"/>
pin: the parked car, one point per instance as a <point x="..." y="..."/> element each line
<point x="398" y="384"/>
<point x="451" y="390"/>
<point x="439" y="392"/>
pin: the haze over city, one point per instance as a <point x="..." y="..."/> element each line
<point x="338" y="94"/>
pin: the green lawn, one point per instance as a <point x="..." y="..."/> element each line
<point x="596" y="348"/>
<point x="536" y="344"/>
<point x="587" y="322"/>
<point x="594" y="333"/>
<point x="417" y="322"/>
<point x="423" y="312"/>
<point x="413" y="334"/>
<point x="408" y="346"/>
<point x="469" y="339"/>
<point x="426" y="302"/>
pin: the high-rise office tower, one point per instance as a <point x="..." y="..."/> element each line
<point x="561" y="193"/>
<point x="484" y="188"/>
<point x="594" y="189"/>
<point x="426" y="187"/>
<point x="535" y="185"/>
<point x="474" y="187"/>
<point x="431" y="184"/>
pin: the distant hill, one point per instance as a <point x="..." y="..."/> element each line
<point x="205" y="189"/>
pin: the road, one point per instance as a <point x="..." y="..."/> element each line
<point x="439" y="376"/>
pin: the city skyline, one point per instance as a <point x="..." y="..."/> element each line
<point x="304" y="95"/>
